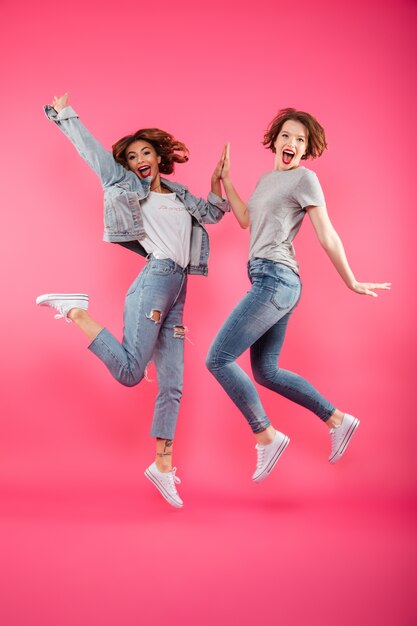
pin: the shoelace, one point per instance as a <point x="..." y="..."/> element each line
<point x="175" y="478"/>
<point x="335" y="437"/>
<point x="59" y="316"/>
<point x="261" y="454"/>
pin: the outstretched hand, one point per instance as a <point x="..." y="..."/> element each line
<point x="367" y="289"/>
<point x="60" y="102"/>
<point x="223" y="166"/>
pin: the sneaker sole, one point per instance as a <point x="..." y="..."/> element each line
<point x="47" y="297"/>
<point x="348" y="436"/>
<point x="273" y="461"/>
<point x="162" y="490"/>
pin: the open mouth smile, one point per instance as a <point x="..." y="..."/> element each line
<point x="144" y="171"/>
<point x="287" y="156"/>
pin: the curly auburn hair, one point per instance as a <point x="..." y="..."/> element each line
<point x="316" y="140"/>
<point x="166" y="146"/>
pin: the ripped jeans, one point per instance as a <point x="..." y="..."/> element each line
<point x="259" y="322"/>
<point x="153" y="329"/>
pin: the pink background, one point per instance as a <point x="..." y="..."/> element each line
<point x="84" y="540"/>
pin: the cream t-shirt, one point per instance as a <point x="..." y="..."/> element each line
<point x="167" y="225"/>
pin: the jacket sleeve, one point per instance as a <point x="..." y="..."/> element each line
<point x="211" y="210"/>
<point x="100" y="160"/>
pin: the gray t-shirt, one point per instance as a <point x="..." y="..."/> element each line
<point x="276" y="211"/>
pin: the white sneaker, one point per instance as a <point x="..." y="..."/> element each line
<point x="165" y="482"/>
<point x="63" y="302"/>
<point x="341" y="435"/>
<point x="268" y="456"/>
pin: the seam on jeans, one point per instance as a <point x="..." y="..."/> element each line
<point x="220" y="346"/>
<point x="139" y="308"/>
<point x="179" y="291"/>
<point x="248" y="409"/>
<point x="315" y="407"/>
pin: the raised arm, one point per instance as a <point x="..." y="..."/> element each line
<point x="332" y="244"/>
<point x="212" y="210"/>
<point x="239" y="208"/>
<point x="60" y="102"/>
<point x="87" y="146"/>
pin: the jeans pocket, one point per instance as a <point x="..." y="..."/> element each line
<point x="285" y="295"/>
<point x="161" y="267"/>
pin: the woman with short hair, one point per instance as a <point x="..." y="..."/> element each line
<point x="274" y="212"/>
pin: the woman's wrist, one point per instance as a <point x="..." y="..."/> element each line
<point x="227" y="181"/>
<point x="351" y="283"/>
<point x="58" y="108"/>
<point x="216" y="187"/>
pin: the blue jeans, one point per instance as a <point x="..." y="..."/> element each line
<point x="260" y="321"/>
<point x="153" y="329"/>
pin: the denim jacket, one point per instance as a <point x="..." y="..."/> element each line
<point x="124" y="190"/>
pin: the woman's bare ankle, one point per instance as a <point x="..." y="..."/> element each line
<point x="163" y="457"/>
<point x="77" y="314"/>
<point x="336" y="419"/>
<point x="163" y="464"/>
<point x="265" y="437"/>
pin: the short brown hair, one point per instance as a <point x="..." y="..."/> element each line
<point x="166" y="146"/>
<point x="316" y="141"/>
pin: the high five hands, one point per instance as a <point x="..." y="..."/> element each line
<point x="222" y="170"/>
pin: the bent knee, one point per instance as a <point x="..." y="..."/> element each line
<point x="129" y="379"/>
<point x="262" y="376"/>
<point x="128" y="382"/>
<point x="212" y="361"/>
<point x="215" y="361"/>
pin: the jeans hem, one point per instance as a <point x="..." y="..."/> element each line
<point x="261" y="429"/>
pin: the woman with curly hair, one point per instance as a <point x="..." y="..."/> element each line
<point x="164" y="222"/>
<point x="275" y="212"/>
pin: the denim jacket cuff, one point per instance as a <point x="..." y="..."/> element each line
<point x="220" y="203"/>
<point x="65" y="114"/>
